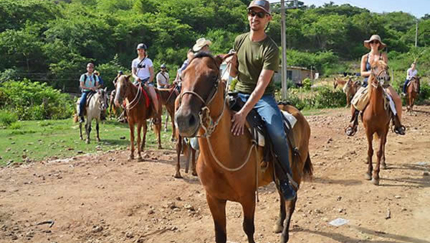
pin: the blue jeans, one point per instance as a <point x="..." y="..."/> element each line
<point x="406" y="85"/>
<point x="82" y="102"/>
<point x="142" y="82"/>
<point x="365" y="82"/>
<point x="272" y="117"/>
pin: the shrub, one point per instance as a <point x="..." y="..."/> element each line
<point x="7" y="118"/>
<point x="307" y="83"/>
<point x="35" y="101"/>
<point x="329" y="98"/>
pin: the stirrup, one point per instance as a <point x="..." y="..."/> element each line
<point x="351" y="130"/>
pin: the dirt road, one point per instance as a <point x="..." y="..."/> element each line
<point x="105" y="198"/>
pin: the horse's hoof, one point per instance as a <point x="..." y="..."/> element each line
<point x="384" y="166"/>
<point x="130" y="158"/>
<point x="139" y="159"/>
<point x="98" y="140"/>
<point x="81" y="138"/>
<point x="178" y="175"/>
<point x="87" y="141"/>
<point x="375" y="182"/>
<point x="159" y="147"/>
<point x="194" y="173"/>
<point x="367" y="176"/>
<point x="277" y="229"/>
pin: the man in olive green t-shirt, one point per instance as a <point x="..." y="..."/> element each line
<point x="256" y="60"/>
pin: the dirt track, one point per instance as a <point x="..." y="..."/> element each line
<point x="105" y="198"/>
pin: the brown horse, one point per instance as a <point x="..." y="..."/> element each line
<point x="138" y="111"/>
<point x="339" y="82"/>
<point x="167" y="98"/>
<point x="350" y="89"/>
<point x="376" y="117"/>
<point x="229" y="167"/>
<point x="412" y="92"/>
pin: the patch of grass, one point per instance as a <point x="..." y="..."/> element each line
<point x="15" y="126"/>
<point x="60" y="138"/>
<point x="7" y="118"/>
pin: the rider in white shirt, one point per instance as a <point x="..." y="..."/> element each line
<point x="143" y="73"/>
<point x="162" y="77"/>
<point x="412" y="72"/>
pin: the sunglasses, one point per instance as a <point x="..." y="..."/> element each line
<point x="373" y="42"/>
<point x="259" y="14"/>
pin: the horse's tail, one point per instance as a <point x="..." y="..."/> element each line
<point x="308" y="168"/>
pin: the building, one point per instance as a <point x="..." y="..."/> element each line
<point x="296" y="74"/>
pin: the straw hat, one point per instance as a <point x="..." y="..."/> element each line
<point x="200" y="43"/>
<point x="382" y="45"/>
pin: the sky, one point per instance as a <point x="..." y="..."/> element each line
<point x="418" y="8"/>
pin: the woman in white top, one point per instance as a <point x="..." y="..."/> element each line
<point x="143" y="72"/>
<point x="412" y="72"/>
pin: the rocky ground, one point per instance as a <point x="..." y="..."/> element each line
<point x="105" y="198"/>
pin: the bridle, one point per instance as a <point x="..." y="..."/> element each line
<point x="204" y="114"/>
<point x="380" y="80"/>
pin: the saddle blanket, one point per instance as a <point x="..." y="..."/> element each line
<point x="290" y="118"/>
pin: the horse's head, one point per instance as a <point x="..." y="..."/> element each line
<point x="335" y="83"/>
<point x="200" y="85"/>
<point x="103" y="98"/>
<point x="379" y="74"/>
<point x="122" y="83"/>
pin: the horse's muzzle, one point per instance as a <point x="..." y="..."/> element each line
<point x="186" y="122"/>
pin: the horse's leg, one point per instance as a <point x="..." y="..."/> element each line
<point x="279" y="226"/>
<point x="179" y="145"/>
<point x="171" y="114"/>
<point x="248" y="217"/>
<point x="131" y="126"/>
<point x="145" y="129"/>
<point x="375" y="178"/>
<point x="384" y="165"/>
<point x="166" y="121"/>
<point x="291" y="206"/>
<point x="193" y="160"/>
<point x="80" y="131"/>
<point x="139" y="141"/>
<point x="158" y="132"/>
<point x="217" y="207"/>
<point x="88" y="128"/>
<point x="368" y="175"/>
<point x="97" y="128"/>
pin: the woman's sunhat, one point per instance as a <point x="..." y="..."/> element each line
<point x="200" y="43"/>
<point x="382" y="45"/>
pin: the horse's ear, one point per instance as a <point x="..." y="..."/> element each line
<point x="127" y="77"/>
<point x="220" y="58"/>
<point x="105" y="89"/>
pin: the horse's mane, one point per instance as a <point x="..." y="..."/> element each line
<point x="203" y="54"/>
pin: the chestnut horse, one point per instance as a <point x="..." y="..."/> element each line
<point x="412" y="92"/>
<point x="350" y="89"/>
<point x="229" y="167"/>
<point x="138" y="111"/>
<point x="167" y="98"/>
<point x="376" y="117"/>
<point x="338" y="81"/>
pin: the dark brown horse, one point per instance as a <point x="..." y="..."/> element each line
<point x="376" y="118"/>
<point x="184" y="147"/>
<point x="167" y="98"/>
<point x="412" y="92"/>
<point x="138" y="111"/>
<point x="229" y="167"/>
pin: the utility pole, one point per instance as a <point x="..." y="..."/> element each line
<point x="416" y="33"/>
<point x="284" y="52"/>
<point x="284" y="47"/>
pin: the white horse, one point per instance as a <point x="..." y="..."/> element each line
<point x="97" y="104"/>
